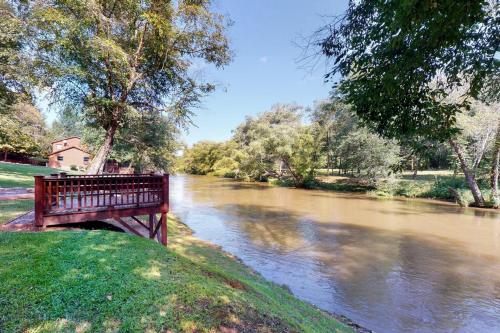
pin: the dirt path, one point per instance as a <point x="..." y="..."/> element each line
<point x="16" y="193"/>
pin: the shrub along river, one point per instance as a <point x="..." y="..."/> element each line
<point x="389" y="265"/>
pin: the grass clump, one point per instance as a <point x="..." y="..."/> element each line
<point x="449" y="188"/>
<point x="10" y="209"/>
<point x="88" y="281"/>
<point x="21" y="175"/>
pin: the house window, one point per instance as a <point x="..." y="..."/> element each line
<point x="85" y="160"/>
<point x="58" y="146"/>
<point x="60" y="158"/>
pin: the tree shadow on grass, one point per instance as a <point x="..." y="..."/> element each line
<point x="107" y="281"/>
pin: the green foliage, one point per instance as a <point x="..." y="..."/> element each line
<point x="368" y="155"/>
<point x="208" y="157"/>
<point x="400" y="59"/>
<point x="351" y="147"/>
<point x="305" y="157"/>
<point x="148" y="142"/>
<point x="107" y="281"/>
<point x="277" y="144"/>
<point x="14" y="67"/>
<point x="449" y="188"/>
<point x="226" y="167"/>
<point x="116" y="62"/>
<point x="273" y="144"/>
<point x="478" y="127"/>
<point x="23" y="131"/>
<point x="68" y="123"/>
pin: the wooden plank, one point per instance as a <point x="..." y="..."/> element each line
<point x="82" y="216"/>
<point x="152" y="218"/>
<point x="39" y="200"/>
<point x="64" y="192"/>
<point x="158" y="224"/>
<point x="165" y="190"/>
<point x="57" y="195"/>
<point x="163" y="221"/>
<point x="158" y="237"/>
<point x="149" y="197"/>
<point x="49" y="194"/>
<point x="98" y="190"/>
<point x="127" y="226"/>
<point x="140" y="222"/>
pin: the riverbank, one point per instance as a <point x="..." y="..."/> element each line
<point x="440" y="185"/>
<point x="125" y="283"/>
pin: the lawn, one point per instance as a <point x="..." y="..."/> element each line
<point x="21" y="175"/>
<point x="87" y="281"/>
<point x="12" y="208"/>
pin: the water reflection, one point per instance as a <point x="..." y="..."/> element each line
<point x="390" y="265"/>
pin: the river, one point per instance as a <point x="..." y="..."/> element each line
<point x="389" y="265"/>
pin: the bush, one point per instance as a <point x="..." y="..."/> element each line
<point x="280" y="182"/>
<point x="225" y="167"/>
<point x="440" y="188"/>
<point x="73" y="167"/>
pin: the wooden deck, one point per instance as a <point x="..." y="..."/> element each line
<point x="62" y="199"/>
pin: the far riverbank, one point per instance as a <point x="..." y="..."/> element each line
<point x="440" y="185"/>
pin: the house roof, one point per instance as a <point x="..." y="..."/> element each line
<point x="72" y="147"/>
<point x="69" y="137"/>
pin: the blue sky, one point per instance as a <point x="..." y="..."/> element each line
<point x="264" y="70"/>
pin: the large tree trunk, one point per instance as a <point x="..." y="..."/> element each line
<point x="297" y="179"/>
<point x="102" y="155"/>
<point x="469" y="175"/>
<point x="494" y="169"/>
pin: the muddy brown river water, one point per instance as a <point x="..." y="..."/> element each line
<point x="389" y="265"/>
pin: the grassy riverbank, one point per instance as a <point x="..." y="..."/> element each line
<point x="430" y="184"/>
<point x="86" y="281"/>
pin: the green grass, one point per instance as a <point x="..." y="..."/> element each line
<point x="9" y="209"/>
<point x="99" y="281"/>
<point x="338" y="186"/>
<point x="343" y="187"/>
<point x="21" y="175"/>
<point x="430" y="184"/>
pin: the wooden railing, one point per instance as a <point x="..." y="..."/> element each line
<point x="77" y="198"/>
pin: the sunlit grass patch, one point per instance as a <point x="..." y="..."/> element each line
<point x="58" y="282"/>
<point x="21" y="175"/>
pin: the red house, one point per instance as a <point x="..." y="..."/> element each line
<point x="67" y="153"/>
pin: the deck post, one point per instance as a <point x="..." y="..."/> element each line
<point x="163" y="229"/>
<point x="164" y="209"/>
<point x="151" y="225"/>
<point x="39" y="200"/>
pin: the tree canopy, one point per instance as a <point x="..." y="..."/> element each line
<point x="13" y="77"/>
<point x="398" y="60"/>
<point x="115" y="60"/>
<point x="279" y="144"/>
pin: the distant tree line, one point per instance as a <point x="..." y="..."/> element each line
<point x="291" y="143"/>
